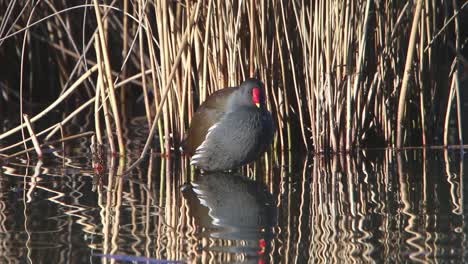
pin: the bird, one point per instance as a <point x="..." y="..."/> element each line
<point x="230" y="129"/>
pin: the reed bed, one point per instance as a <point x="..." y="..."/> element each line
<point x="339" y="75"/>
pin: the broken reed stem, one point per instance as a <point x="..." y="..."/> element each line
<point x="54" y="127"/>
<point x="407" y="74"/>
<point x="33" y="136"/>
<point x="48" y="143"/>
<point x="109" y="82"/>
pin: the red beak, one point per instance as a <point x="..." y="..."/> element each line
<point x="256" y="96"/>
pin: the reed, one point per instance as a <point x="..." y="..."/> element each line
<point x="336" y="72"/>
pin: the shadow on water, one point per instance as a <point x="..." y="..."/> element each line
<point x="372" y="207"/>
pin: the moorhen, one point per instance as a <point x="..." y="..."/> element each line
<point x="230" y="129"/>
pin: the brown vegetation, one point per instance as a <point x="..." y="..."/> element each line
<point x="333" y="70"/>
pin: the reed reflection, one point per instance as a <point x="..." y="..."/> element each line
<point x="378" y="206"/>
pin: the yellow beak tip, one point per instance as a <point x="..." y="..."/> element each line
<point x="258" y="105"/>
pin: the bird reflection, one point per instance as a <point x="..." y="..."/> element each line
<point x="231" y="206"/>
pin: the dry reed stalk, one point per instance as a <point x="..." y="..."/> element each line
<point x="53" y="129"/>
<point x="158" y="11"/>
<point x="62" y="136"/>
<point x="142" y="17"/>
<point x="444" y="27"/>
<point x="33" y="136"/>
<point x="186" y="88"/>
<point x="108" y="75"/>
<point x="182" y="46"/>
<point x="21" y="88"/>
<point x="54" y="104"/>
<point x="407" y="74"/>
<point x="448" y="110"/>
<point x="100" y="82"/>
<point x="282" y="103"/>
<point x="421" y="90"/>
<point x="165" y="65"/>
<point x="74" y="54"/>
<point x="253" y="36"/>
<point x="223" y="82"/>
<point x="97" y="123"/>
<point x="86" y="104"/>
<point x="123" y="101"/>
<point x="457" y="73"/>
<point x="298" y="98"/>
<point x="153" y="64"/>
<point x="340" y="56"/>
<point x="206" y="45"/>
<point x="350" y="132"/>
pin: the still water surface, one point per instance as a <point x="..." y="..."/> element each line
<point x="372" y="207"/>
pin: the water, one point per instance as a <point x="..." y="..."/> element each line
<point x="372" y="207"/>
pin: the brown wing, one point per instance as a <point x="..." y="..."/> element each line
<point x="206" y="115"/>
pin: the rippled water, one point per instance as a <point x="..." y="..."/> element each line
<point x="373" y="207"/>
